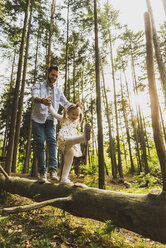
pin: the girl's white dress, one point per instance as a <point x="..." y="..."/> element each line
<point x="68" y="129"/>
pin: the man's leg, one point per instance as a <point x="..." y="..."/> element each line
<point x="51" y="142"/>
<point x="39" y="136"/>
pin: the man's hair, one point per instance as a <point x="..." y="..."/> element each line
<point x="53" y="67"/>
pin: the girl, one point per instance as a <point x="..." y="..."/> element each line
<point x="68" y="140"/>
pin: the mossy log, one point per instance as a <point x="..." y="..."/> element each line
<point x="141" y="213"/>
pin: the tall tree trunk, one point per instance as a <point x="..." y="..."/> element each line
<point x="158" y="54"/>
<point x="142" y="141"/>
<point x="127" y="130"/>
<point x="9" y="102"/>
<point x="66" y="57"/>
<point x="162" y="123"/>
<point x="164" y="4"/>
<point x="133" y="124"/>
<point x="16" y="94"/>
<point x="28" y="147"/>
<point x="158" y="138"/>
<point x="12" y="72"/>
<point x="98" y="105"/>
<point x="140" y="129"/>
<point x="5" y="138"/>
<point x="51" y="33"/>
<point x="146" y="136"/>
<point x="111" y="141"/>
<point x="86" y="145"/>
<point x="20" y="106"/>
<point x="74" y="73"/>
<point x="36" y="55"/>
<point x="34" y="170"/>
<point x="92" y="121"/>
<point x="116" y="111"/>
<point x="122" y="138"/>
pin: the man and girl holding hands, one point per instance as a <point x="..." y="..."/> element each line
<point x="47" y="97"/>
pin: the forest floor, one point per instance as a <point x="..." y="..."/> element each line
<point x="52" y="227"/>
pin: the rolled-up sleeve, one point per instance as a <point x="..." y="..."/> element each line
<point x="36" y="91"/>
<point x="63" y="101"/>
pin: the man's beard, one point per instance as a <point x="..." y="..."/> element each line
<point x="51" y="81"/>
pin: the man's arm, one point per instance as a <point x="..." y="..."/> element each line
<point x="63" y="101"/>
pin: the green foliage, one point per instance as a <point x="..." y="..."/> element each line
<point x="3" y="218"/>
<point x="109" y="227"/>
<point x="149" y="179"/>
<point x="145" y="181"/>
<point x="43" y="243"/>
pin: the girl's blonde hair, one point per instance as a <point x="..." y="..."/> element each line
<point x="73" y="106"/>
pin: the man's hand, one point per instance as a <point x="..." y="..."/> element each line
<point x="46" y="101"/>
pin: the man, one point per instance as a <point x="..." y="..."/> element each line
<point x="43" y="123"/>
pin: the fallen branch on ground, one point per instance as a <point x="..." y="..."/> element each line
<point x="25" y="208"/>
<point x="4" y="172"/>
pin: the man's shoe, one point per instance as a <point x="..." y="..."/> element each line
<point x="66" y="180"/>
<point x="43" y="178"/>
<point x="54" y="176"/>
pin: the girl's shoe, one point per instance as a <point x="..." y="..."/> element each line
<point x="87" y="130"/>
<point x="66" y="180"/>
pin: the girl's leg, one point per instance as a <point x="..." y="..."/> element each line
<point x="68" y="160"/>
<point x="69" y="151"/>
<point x="71" y="141"/>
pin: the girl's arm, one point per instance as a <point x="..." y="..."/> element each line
<point x="56" y="115"/>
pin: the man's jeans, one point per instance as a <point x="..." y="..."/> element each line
<point x="42" y="132"/>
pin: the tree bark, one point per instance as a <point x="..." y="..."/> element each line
<point x="158" y="54"/>
<point x="51" y="33"/>
<point x="140" y="130"/>
<point x="67" y="55"/>
<point x="98" y="104"/>
<point x="16" y="94"/>
<point x="5" y="138"/>
<point x="28" y="147"/>
<point x="164" y="5"/>
<point x="21" y="99"/>
<point x="157" y="134"/>
<point x="34" y="170"/>
<point x="133" y="124"/>
<point x="111" y="141"/>
<point x="141" y="213"/>
<point x="162" y="123"/>
<point x="116" y="110"/>
<point x="142" y="139"/>
<point x="127" y="129"/>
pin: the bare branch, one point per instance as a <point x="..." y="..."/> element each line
<point x="25" y="208"/>
<point x="4" y="172"/>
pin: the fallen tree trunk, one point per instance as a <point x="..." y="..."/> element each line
<point x="141" y="213"/>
